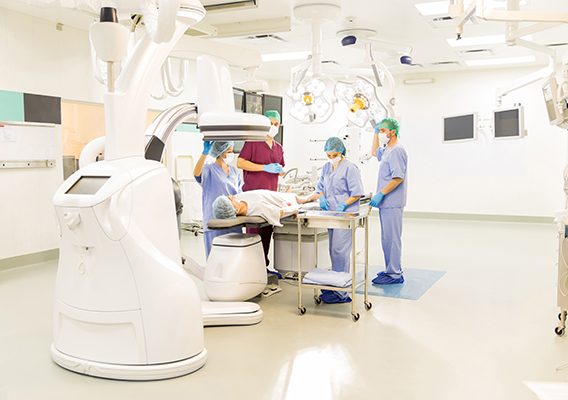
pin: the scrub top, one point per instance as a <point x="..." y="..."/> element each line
<point x="215" y="182"/>
<point x="393" y="164"/>
<point x="261" y="153"/>
<point x="268" y="204"/>
<point x="337" y="186"/>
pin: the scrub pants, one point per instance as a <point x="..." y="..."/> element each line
<point x="208" y="236"/>
<point x="340" y="249"/>
<point x="265" y="234"/>
<point x="391" y="239"/>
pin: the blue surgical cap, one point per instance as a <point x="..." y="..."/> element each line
<point x="223" y="208"/>
<point x="219" y="148"/>
<point x="334" y="144"/>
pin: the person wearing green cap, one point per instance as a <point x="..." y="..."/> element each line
<point x="390" y="198"/>
<point x="262" y="163"/>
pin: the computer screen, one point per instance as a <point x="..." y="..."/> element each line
<point x="88" y="185"/>
<point x="239" y="97"/>
<point x="507" y="123"/>
<point x="253" y="103"/>
<point x="461" y="127"/>
<point x="270" y="102"/>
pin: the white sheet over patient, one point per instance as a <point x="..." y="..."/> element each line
<point x="268" y="204"/>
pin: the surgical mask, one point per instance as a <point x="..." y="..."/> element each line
<point x="229" y="158"/>
<point x="335" y="161"/>
<point x="383" y="139"/>
<point x="273" y="131"/>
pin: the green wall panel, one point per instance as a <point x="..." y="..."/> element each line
<point x="11" y="106"/>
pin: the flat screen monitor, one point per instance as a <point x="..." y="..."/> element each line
<point x="253" y="103"/>
<point x="460" y="127"/>
<point x="508" y="123"/>
<point x="88" y="185"/>
<point x="270" y="102"/>
<point x="239" y="97"/>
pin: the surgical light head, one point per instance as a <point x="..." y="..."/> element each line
<point x="363" y="100"/>
<point x="219" y="148"/>
<point x="389" y="123"/>
<point x="310" y="103"/>
<point x="334" y="144"/>
<point x="223" y="208"/>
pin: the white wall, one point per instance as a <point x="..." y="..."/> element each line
<point x="26" y="211"/>
<point x="486" y="176"/>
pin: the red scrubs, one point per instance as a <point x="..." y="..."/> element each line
<point x="261" y="153"/>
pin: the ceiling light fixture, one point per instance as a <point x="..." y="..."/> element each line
<point x="418" y="81"/>
<point x="500" y="61"/>
<point x="476" y="40"/>
<point x="441" y="7"/>
<point x="286" y="56"/>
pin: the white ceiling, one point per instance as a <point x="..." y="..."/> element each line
<point x="394" y="20"/>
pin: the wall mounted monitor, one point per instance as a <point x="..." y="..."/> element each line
<point x="239" y="97"/>
<point x="270" y="102"/>
<point x="459" y="127"/>
<point x="508" y="123"/>
<point x="253" y="103"/>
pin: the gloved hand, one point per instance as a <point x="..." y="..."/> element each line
<point x="341" y="207"/>
<point x="376" y="200"/>
<point x="324" y="204"/>
<point x="207" y="147"/>
<point x="273" y="168"/>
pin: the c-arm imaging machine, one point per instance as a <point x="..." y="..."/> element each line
<point x="124" y="306"/>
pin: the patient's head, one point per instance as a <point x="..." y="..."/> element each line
<point x="227" y="207"/>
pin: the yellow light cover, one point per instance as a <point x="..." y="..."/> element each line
<point x="308" y="99"/>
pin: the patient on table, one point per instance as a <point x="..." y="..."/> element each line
<point x="261" y="203"/>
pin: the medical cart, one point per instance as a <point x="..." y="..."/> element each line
<point x="336" y="220"/>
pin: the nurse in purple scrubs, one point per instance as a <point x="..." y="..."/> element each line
<point x="262" y="163"/>
<point x="216" y="179"/>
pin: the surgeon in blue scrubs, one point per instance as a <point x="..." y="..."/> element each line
<point x="216" y="179"/>
<point x="339" y="189"/>
<point x="391" y="197"/>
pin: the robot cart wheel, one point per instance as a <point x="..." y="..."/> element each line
<point x="302" y="310"/>
<point x="355" y="317"/>
<point x="317" y="300"/>
<point x="559" y="331"/>
<point x="368" y="305"/>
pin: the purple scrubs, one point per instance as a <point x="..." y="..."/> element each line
<point x="261" y="153"/>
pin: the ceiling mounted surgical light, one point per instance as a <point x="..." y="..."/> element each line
<point x="307" y="85"/>
<point x="364" y="102"/>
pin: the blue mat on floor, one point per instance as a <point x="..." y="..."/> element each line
<point x="416" y="283"/>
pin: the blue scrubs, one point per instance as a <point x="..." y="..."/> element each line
<point x="393" y="164"/>
<point x="337" y="186"/>
<point x="215" y="182"/>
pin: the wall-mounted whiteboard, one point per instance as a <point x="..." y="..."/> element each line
<point x="29" y="141"/>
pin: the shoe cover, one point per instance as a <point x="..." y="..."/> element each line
<point x="387" y="280"/>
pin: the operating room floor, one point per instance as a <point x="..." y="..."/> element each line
<point x="478" y="333"/>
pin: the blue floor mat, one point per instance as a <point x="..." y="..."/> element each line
<point x="416" y="283"/>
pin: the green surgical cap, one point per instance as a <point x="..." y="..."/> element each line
<point x="389" y="123"/>
<point x="272" y="114"/>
